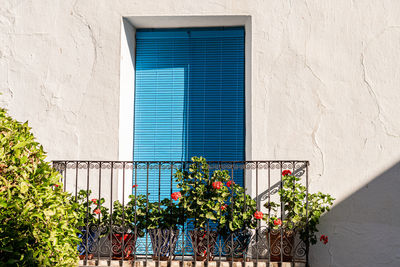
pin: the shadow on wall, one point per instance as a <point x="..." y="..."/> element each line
<point x="274" y="188"/>
<point x="363" y="229"/>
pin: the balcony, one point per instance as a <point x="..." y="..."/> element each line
<point x="114" y="197"/>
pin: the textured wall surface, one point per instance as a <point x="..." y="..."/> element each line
<point x="325" y="87"/>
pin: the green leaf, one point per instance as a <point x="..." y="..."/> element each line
<point x="24" y="187"/>
<point x="21" y="144"/>
<point x="210" y="216"/>
<point x="3" y="203"/>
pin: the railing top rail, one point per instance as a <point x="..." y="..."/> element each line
<point x="182" y="161"/>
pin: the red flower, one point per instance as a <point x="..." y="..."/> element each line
<point x="286" y="172"/>
<point x="217" y="185"/>
<point x="258" y="215"/>
<point x="56" y="185"/>
<point x="277" y="222"/>
<point x="135" y="185"/>
<point x="324" y="239"/>
<point x="229" y="183"/>
<point x="97" y="211"/>
<point x="224" y="207"/>
<point x="176" y="195"/>
<point x="94" y="200"/>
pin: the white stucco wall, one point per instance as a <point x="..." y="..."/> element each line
<point x="324" y="87"/>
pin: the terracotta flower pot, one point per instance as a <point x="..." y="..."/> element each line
<point x="200" y="239"/>
<point x="128" y="246"/>
<point x="163" y="243"/>
<point x="287" y="241"/>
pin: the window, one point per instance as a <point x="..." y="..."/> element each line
<point x="189" y="98"/>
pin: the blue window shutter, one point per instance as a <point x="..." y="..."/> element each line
<point x="189" y="99"/>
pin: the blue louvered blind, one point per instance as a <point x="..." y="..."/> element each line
<point x="189" y="99"/>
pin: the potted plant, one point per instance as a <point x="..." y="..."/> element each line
<point x="240" y="212"/>
<point x="162" y="221"/>
<point x="92" y="216"/>
<point x="301" y="216"/>
<point x="128" y="222"/>
<point x="202" y="196"/>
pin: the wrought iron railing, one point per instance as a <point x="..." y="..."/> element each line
<point x="106" y="238"/>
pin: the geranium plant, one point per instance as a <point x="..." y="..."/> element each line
<point x="92" y="217"/>
<point x="131" y="216"/>
<point x="91" y="211"/>
<point x="128" y="223"/>
<point x="299" y="216"/>
<point x="241" y="215"/>
<point x="240" y="210"/>
<point x="164" y="214"/>
<point x="202" y="194"/>
<point x="162" y="221"/>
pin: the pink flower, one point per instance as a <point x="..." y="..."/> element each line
<point x="94" y="200"/>
<point x="277" y="222"/>
<point x="286" y="172"/>
<point x="135" y="185"/>
<point x="176" y="195"/>
<point x="217" y="185"/>
<point x="258" y="215"/>
<point x="97" y="211"/>
<point x="229" y="183"/>
<point x="223" y="207"/>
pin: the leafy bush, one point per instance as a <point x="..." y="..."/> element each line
<point x="36" y="217"/>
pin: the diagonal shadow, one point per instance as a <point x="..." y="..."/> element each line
<point x="273" y="189"/>
<point x="364" y="228"/>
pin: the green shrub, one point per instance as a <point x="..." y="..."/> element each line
<point x="36" y="217"/>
